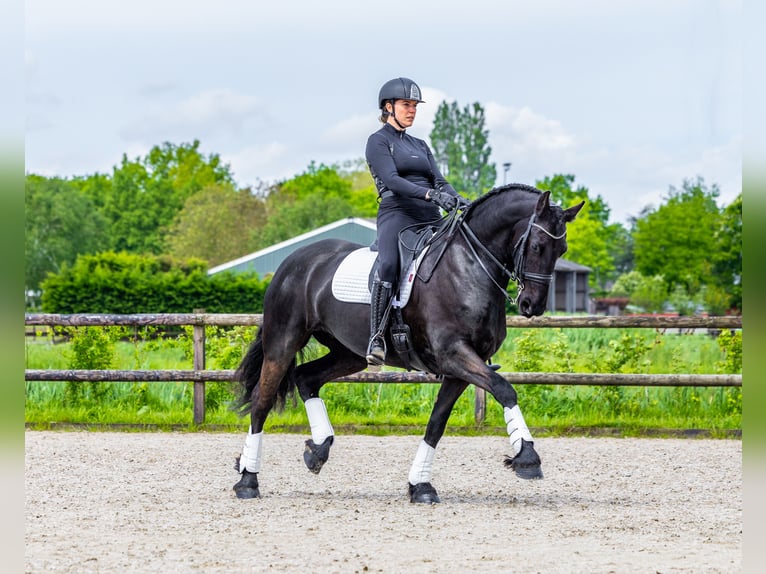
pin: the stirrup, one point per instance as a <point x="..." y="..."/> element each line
<point x="376" y="351"/>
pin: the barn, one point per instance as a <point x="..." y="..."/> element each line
<point x="570" y="281"/>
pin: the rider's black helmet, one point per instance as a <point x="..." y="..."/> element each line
<point x="398" y="89"/>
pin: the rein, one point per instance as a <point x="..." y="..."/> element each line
<point x="516" y="274"/>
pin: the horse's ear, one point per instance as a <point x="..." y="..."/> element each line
<point x="543" y="203"/>
<point x="569" y="214"/>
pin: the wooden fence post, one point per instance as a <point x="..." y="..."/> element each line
<point x="198" y="341"/>
<point x="479" y="405"/>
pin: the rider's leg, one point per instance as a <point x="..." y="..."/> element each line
<point x="379" y="298"/>
<point x="383" y="285"/>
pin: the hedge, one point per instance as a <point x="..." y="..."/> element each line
<point x="127" y="283"/>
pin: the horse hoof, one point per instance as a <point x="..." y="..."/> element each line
<point x="316" y="455"/>
<point x="423" y="493"/>
<point x="526" y="464"/>
<point x="247" y="487"/>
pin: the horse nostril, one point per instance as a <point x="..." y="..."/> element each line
<point x="524" y="308"/>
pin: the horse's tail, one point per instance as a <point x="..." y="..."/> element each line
<point x="248" y="375"/>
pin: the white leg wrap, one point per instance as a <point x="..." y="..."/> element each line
<point x="318" y="420"/>
<point x="252" y="454"/>
<point x="420" y="471"/>
<point x="517" y="427"/>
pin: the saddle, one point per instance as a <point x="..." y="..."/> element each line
<point x="352" y="281"/>
<point x="413" y="243"/>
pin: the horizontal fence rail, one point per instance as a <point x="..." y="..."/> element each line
<point x="513" y="321"/>
<point x="199" y="375"/>
<point x="525" y="378"/>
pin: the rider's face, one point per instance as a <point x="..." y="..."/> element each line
<point x="405" y="111"/>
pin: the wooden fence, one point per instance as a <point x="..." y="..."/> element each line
<point x="199" y="375"/>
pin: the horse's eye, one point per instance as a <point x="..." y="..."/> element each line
<point x="536" y="247"/>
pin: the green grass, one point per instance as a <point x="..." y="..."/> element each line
<point x="550" y="409"/>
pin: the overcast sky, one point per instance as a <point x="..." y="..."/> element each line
<point x="630" y="97"/>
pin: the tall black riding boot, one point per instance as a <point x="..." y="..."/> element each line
<point x="379" y="298"/>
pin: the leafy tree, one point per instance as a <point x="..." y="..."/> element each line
<point x="97" y="187"/>
<point x="591" y="239"/>
<point x="678" y="239"/>
<point x="563" y="193"/>
<point x="626" y="284"/>
<point x="61" y="222"/>
<point x="727" y="266"/>
<point x="216" y="224"/>
<point x="460" y="146"/>
<point x="147" y="193"/>
<point x="363" y="200"/>
<point x="650" y="294"/>
<point x="315" y="198"/>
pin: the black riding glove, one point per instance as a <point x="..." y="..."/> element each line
<point x="444" y="200"/>
<point x="462" y="202"/>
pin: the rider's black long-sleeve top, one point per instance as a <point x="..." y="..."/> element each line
<point x="404" y="166"/>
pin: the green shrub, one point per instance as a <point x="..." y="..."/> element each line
<point x="91" y="348"/>
<point x="127" y="283"/>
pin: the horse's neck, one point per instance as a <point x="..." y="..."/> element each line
<point x="493" y="222"/>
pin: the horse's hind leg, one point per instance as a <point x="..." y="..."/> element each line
<point x="309" y="378"/>
<point x="266" y="373"/>
<point x="249" y="462"/>
<point x="420" y="487"/>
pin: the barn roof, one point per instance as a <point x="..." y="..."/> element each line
<point x="267" y="260"/>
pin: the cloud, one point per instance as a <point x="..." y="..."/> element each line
<point x="535" y="145"/>
<point x="267" y="163"/>
<point x="629" y="176"/>
<point x="349" y="131"/>
<point x="210" y="113"/>
<point x="526" y="130"/>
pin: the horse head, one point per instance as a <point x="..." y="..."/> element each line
<point x="538" y="242"/>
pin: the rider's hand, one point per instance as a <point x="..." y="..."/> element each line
<point x="444" y="200"/>
<point x="462" y="202"/>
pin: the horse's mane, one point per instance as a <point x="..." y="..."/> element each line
<point x="502" y="189"/>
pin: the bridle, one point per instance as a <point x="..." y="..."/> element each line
<point x="517" y="273"/>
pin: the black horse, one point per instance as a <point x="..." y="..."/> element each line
<point x="456" y="315"/>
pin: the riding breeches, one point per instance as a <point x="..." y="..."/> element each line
<point x="390" y="223"/>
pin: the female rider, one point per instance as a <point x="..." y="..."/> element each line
<point x="411" y="190"/>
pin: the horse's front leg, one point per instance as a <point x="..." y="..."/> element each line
<point x="420" y="488"/>
<point x="525" y="461"/>
<point x="469" y="367"/>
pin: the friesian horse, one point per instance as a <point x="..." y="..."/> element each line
<point x="456" y="315"/>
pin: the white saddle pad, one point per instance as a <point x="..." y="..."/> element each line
<point x="350" y="282"/>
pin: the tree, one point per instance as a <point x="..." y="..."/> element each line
<point x="460" y="146"/>
<point x="647" y="293"/>
<point x="60" y="224"/>
<point x="591" y="239"/>
<point x="216" y="224"/>
<point x="315" y="198"/>
<point x="727" y="266"/>
<point x="678" y="240"/>
<point x="147" y="193"/>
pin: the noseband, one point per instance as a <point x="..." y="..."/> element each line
<point x="519" y="257"/>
